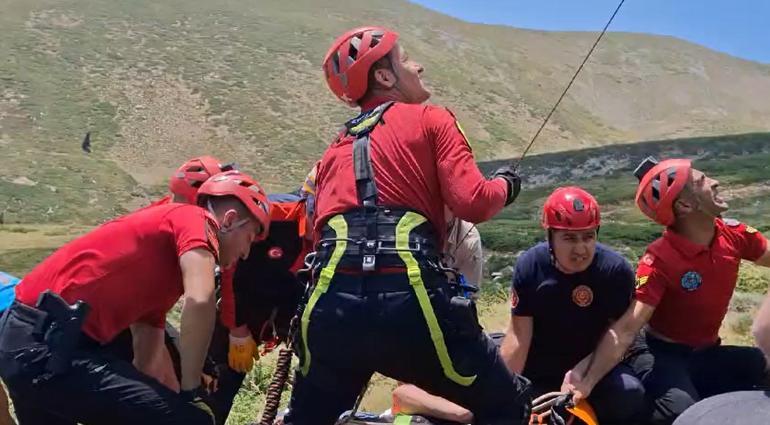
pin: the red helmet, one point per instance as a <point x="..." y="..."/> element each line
<point x="571" y="208"/>
<point x="659" y="188"/>
<point x="247" y="190"/>
<point x="191" y="175"/>
<point x="348" y="61"/>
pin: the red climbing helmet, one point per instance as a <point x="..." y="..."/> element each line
<point x="659" y="188"/>
<point x="191" y="175"/>
<point x="350" y="57"/>
<point x="571" y="208"/>
<point x="247" y="190"/>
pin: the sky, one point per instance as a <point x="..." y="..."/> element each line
<point x="737" y="27"/>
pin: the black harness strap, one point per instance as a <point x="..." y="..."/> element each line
<point x="366" y="189"/>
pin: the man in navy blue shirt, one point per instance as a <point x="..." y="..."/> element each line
<point x="566" y="292"/>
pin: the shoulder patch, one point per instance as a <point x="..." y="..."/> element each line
<point x="641" y="281"/>
<point x="647" y="259"/>
<point x="751" y="230"/>
<point x="460" y="129"/>
<point x="731" y="222"/>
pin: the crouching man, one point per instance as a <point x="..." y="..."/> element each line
<point x="129" y="272"/>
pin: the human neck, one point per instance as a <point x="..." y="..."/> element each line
<point x="698" y="228"/>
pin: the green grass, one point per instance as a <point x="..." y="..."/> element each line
<point x="20" y="262"/>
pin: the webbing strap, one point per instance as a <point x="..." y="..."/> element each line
<point x="360" y="127"/>
<point x="340" y="226"/>
<point x="402" y="420"/>
<point x="405" y="226"/>
<point x="362" y="164"/>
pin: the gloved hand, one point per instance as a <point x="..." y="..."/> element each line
<point x="509" y="174"/>
<point x="242" y="353"/>
<point x="195" y="398"/>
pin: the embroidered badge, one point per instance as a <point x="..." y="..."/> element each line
<point x="750" y="230"/>
<point x="691" y="281"/>
<point x="275" y="253"/>
<point x="641" y="281"/>
<point x="647" y="259"/>
<point x="583" y="296"/>
<point x="514" y="298"/>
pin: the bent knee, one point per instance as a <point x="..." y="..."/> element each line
<point x="670" y="405"/>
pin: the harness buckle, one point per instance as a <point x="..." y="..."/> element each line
<point x="367" y="264"/>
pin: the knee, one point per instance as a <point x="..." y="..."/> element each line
<point x="670" y="405"/>
<point x="623" y="404"/>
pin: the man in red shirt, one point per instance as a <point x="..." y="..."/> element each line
<point x="382" y="301"/>
<point x="128" y="272"/>
<point x="684" y="284"/>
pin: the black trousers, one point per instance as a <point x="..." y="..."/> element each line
<point x="675" y="376"/>
<point x="99" y="388"/>
<point x="357" y="324"/>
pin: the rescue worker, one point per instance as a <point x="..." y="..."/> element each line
<point x="183" y="188"/>
<point x="566" y="292"/>
<point x="259" y="299"/>
<point x="684" y="283"/>
<point x="128" y="272"/>
<point x="381" y="302"/>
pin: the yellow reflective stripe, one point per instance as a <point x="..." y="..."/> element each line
<point x="407" y="223"/>
<point x="368" y="122"/>
<point x="327" y="273"/>
<point x="402" y="420"/>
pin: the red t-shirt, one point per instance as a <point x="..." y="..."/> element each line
<point x="691" y="285"/>
<point x="421" y="161"/>
<point x="127" y="269"/>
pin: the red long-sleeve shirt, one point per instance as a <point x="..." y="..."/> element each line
<point x="421" y="161"/>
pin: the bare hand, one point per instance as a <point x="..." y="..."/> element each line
<point x="575" y="384"/>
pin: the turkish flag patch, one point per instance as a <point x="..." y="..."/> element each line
<point x="514" y="298"/>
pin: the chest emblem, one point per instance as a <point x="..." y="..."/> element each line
<point x="275" y="253"/>
<point x="691" y="281"/>
<point x="583" y="296"/>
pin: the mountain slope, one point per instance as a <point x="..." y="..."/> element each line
<point x="158" y="82"/>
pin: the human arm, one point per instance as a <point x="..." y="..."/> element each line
<point x="764" y="260"/>
<point x="412" y="400"/>
<point x="515" y="345"/>
<point x="198" y="313"/>
<point x="609" y="352"/>
<point x="151" y="356"/>
<point x="464" y="188"/>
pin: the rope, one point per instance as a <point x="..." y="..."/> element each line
<point x="274" y="391"/>
<point x="572" y="80"/>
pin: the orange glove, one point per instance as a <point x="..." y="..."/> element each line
<point x="242" y="353"/>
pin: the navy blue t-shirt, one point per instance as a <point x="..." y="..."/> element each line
<point x="570" y="312"/>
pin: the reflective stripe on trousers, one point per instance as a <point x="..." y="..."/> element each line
<point x="406" y="224"/>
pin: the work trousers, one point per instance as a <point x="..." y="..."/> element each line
<point x="407" y="329"/>
<point x="98" y="388"/>
<point x="675" y="376"/>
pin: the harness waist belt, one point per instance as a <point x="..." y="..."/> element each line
<point x="371" y="239"/>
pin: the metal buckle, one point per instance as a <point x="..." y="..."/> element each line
<point x="367" y="264"/>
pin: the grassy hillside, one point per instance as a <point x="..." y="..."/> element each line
<point x="158" y="82"/>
